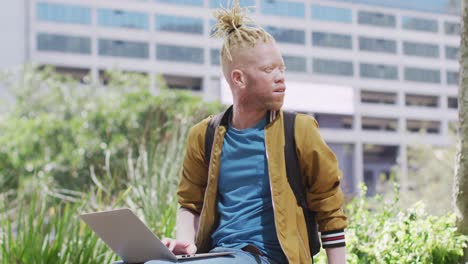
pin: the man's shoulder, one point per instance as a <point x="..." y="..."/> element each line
<point x="306" y="121"/>
<point x="200" y="127"/>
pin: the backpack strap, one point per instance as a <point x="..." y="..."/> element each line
<point x="295" y="180"/>
<point x="209" y="135"/>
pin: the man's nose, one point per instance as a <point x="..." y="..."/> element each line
<point x="279" y="77"/>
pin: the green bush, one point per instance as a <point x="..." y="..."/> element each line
<point x="381" y="232"/>
<point x="69" y="134"/>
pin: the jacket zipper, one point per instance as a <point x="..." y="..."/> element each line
<point x="271" y="194"/>
<point x="207" y="181"/>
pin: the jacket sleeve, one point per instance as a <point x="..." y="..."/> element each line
<point x="322" y="176"/>
<point x="194" y="173"/>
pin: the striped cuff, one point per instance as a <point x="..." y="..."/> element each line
<point x="332" y="239"/>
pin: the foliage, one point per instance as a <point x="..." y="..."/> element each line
<point x="387" y="234"/>
<point x="71" y="133"/>
<point x="64" y="152"/>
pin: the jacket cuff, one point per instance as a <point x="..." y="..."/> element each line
<point x="332" y="239"/>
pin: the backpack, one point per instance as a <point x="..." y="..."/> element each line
<point x="292" y="171"/>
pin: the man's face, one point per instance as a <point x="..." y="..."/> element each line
<point x="263" y="70"/>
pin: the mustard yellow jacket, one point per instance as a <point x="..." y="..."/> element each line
<point x="199" y="184"/>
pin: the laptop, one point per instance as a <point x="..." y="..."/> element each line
<point x="131" y="239"/>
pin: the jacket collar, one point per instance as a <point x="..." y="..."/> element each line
<point x="271" y="116"/>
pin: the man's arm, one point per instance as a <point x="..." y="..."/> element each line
<point x="336" y="255"/>
<point x="186" y="230"/>
<point x="187" y="225"/>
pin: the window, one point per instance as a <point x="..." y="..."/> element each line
<point x="334" y="121"/>
<point x="287" y="35"/>
<point x="421" y="49"/>
<point x="372" y="97"/>
<point x="422" y="100"/>
<point x="215" y="57"/>
<point x="331" y="40"/>
<point x="224" y="3"/>
<point x="125" y="49"/>
<point x="379" y="124"/>
<point x="179" y="24"/>
<point x="416" y="126"/>
<point x="63" y="43"/>
<point x="377" y="45"/>
<point x="183" y="82"/>
<point x="378" y="71"/>
<point x="122" y="19"/>
<point x="182" y="2"/>
<point x="332" y="14"/>
<point x="73" y="14"/>
<point x="179" y="53"/>
<point x="452" y="28"/>
<point x="295" y="63"/>
<point x="333" y="67"/>
<point x="419" y="24"/>
<point x="451" y="53"/>
<point x="283" y="8"/>
<point x="422" y="75"/>
<point x="452" y="77"/>
<point x="452" y="102"/>
<point x="376" y="19"/>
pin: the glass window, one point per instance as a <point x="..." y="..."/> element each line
<point x="377" y="45"/>
<point x="182" y="2"/>
<point x="379" y="124"/>
<point x="295" y="63"/>
<point x="225" y="3"/>
<point x="122" y="19"/>
<point x="433" y="6"/>
<point x="452" y="102"/>
<point x="376" y="19"/>
<point x="333" y="67"/>
<point x="63" y="43"/>
<point x="452" y="28"/>
<point x="421" y="100"/>
<point x="331" y="40"/>
<point x="378" y="71"/>
<point x="420" y="24"/>
<point x="73" y="14"/>
<point x="421" y="49"/>
<point x="452" y="77"/>
<point x="332" y="14"/>
<point x="422" y="75"/>
<point x="179" y="53"/>
<point x="452" y="53"/>
<point x="215" y="57"/>
<point x="373" y="97"/>
<point x="418" y="126"/>
<point x="179" y="24"/>
<point x="283" y="8"/>
<point x="287" y="35"/>
<point x="126" y="49"/>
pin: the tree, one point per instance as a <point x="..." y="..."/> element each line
<point x="461" y="174"/>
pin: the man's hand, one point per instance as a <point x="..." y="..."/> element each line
<point x="179" y="247"/>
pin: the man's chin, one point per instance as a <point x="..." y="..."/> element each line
<point x="275" y="106"/>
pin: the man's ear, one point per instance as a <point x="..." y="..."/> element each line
<point x="237" y="77"/>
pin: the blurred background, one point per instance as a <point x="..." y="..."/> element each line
<point x="380" y="76"/>
<point x="373" y="73"/>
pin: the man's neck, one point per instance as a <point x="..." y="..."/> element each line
<point x="243" y="118"/>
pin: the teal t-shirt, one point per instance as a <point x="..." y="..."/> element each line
<point x="244" y="196"/>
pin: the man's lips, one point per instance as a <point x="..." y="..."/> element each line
<point x="281" y="89"/>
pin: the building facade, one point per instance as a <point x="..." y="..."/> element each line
<point x="372" y="73"/>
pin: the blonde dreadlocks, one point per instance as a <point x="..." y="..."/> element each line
<point x="232" y="27"/>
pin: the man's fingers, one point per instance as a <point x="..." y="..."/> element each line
<point x="179" y="247"/>
<point x="169" y="243"/>
<point x="191" y="249"/>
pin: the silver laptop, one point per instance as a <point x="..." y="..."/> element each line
<point x="131" y="239"/>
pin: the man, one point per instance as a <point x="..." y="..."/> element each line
<point x="242" y="201"/>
